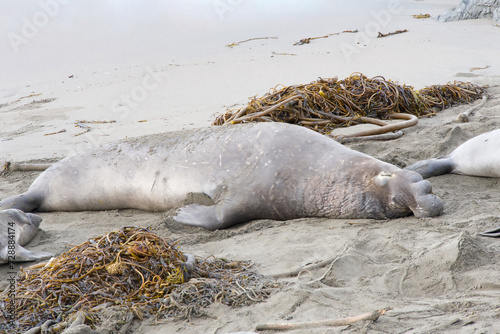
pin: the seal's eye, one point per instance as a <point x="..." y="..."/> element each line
<point x="382" y="178"/>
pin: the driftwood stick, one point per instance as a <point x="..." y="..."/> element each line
<point x="464" y="117"/>
<point x="256" y="38"/>
<point x="373" y="316"/>
<point x="24" y="167"/>
<point x="380" y="35"/>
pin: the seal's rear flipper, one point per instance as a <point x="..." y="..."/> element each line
<point x="200" y="216"/>
<point x="25" y="202"/>
<point x="432" y="167"/>
<point x="22" y="255"/>
<point x="495" y="233"/>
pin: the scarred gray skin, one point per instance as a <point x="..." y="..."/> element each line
<point x="18" y="228"/>
<point x="254" y="171"/>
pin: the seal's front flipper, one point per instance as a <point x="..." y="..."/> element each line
<point x="200" y="216"/>
<point x="432" y="167"/>
<point x="22" y="255"/>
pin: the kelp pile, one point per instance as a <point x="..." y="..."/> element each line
<point x="133" y="269"/>
<point x="326" y="104"/>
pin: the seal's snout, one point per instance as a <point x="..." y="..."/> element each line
<point x="430" y="206"/>
<point x="427" y="204"/>
<point x="416" y="194"/>
<point x="35" y="219"/>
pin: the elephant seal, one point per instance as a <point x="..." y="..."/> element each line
<point x="251" y="171"/>
<point x="479" y="156"/>
<point x="16" y="230"/>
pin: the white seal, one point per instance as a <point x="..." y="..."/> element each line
<point x="479" y="156"/>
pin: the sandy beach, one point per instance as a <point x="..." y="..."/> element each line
<point x="137" y="69"/>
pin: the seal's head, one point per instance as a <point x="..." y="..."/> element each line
<point x="401" y="191"/>
<point x="27" y="224"/>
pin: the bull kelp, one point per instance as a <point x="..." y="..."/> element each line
<point x="327" y="104"/>
<point x="135" y="270"/>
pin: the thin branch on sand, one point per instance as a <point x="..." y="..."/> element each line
<point x="372" y="316"/>
<point x="24" y="167"/>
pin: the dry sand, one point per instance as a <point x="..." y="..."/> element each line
<point x="436" y="274"/>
